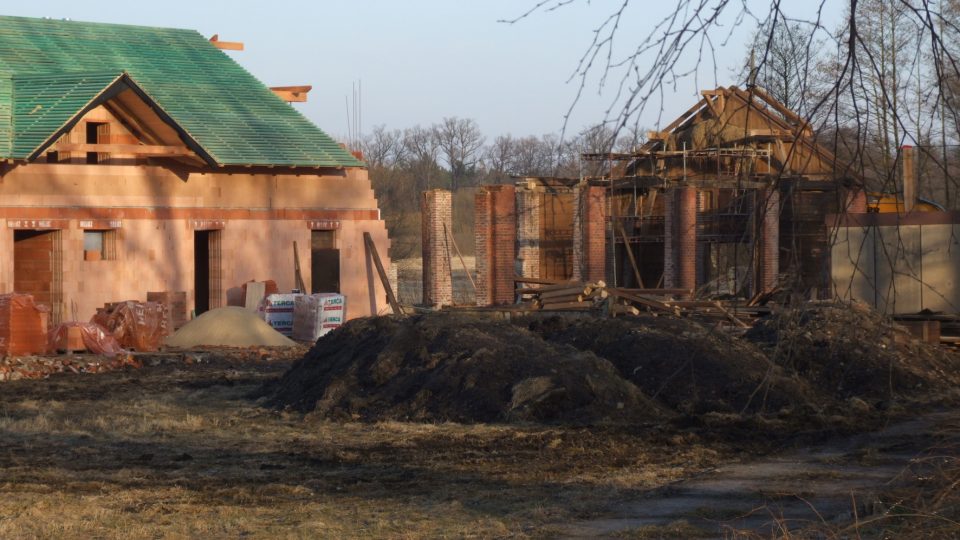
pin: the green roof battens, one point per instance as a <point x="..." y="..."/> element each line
<point x="43" y="104"/>
<point x="230" y="114"/>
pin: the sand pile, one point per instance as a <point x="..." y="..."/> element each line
<point x="446" y="368"/>
<point x="228" y="327"/>
<point x="683" y="364"/>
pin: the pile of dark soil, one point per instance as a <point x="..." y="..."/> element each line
<point x="683" y="364"/>
<point x="830" y="360"/>
<point x="448" y="368"/>
<point x="850" y="351"/>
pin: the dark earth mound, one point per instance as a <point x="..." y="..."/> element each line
<point x="683" y="364"/>
<point x="850" y="351"/>
<point x="818" y="359"/>
<point x="442" y="367"/>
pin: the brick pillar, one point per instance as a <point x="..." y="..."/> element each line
<point x="669" y="198"/>
<point x="589" y="233"/>
<point x="496" y="236"/>
<point x="529" y="205"/>
<point x="436" y="213"/>
<point x="856" y="201"/>
<point x="768" y="209"/>
<point x="680" y="238"/>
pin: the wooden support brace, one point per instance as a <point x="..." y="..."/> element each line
<point x="629" y="250"/>
<point x="372" y="249"/>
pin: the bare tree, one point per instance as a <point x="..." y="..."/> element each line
<point x="421" y="152"/>
<point x="382" y="148"/>
<point x="864" y="92"/>
<point x="460" y="143"/>
<point x="790" y="64"/>
<point x="499" y="157"/>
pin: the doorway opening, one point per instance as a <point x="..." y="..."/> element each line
<point x="206" y="271"/>
<point x="324" y="262"/>
<point x="38" y="268"/>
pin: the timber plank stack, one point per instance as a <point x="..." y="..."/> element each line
<point x="549" y="295"/>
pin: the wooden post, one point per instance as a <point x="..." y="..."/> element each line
<point x="372" y="248"/>
<point x="460" y="255"/>
<point x="297" y="275"/>
<point x="909" y="178"/>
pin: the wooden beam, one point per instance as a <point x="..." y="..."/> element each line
<point x="460" y="255"/>
<point x="133" y="123"/>
<point x="683" y="117"/>
<point x="226" y="45"/>
<point x="372" y="249"/>
<point x="541" y="281"/>
<point x="297" y="275"/>
<point x="629" y="250"/>
<point x="292" y="94"/>
<point x="135" y="149"/>
<point x="643" y="301"/>
<point x="708" y="96"/>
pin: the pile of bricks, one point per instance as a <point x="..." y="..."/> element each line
<point x="13" y="368"/>
<point x="140" y="326"/>
<point x="23" y="325"/>
<point x="176" y="302"/>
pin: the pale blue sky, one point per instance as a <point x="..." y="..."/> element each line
<point x="419" y="60"/>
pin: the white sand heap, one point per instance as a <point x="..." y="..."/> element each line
<point x="227" y="327"/>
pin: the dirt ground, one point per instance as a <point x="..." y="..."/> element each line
<point x="447" y="427"/>
<point x="175" y="450"/>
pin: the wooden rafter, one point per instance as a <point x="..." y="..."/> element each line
<point x="122" y="113"/>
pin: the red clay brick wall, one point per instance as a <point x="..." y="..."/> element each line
<point x="496" y="236"/>
<point x="436" y="213"/>
<point x="769" y="208"/>
<point x="590" y="248"/>
<point x="680" y="238"/>
<point x="856" y="201"/>
<point x="529" y="228"/>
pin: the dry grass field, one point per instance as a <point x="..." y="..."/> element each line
<point x="182" y="451"/>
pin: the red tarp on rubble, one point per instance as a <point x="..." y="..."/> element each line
<point x="96" y="339"/>
<point x="23" y="325"/>
<point x="140" y="326"/>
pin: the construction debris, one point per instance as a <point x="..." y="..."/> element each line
<point x="40" y="367"/>
<point x="228" y="327"/>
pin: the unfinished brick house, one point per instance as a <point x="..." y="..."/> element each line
<point x="143" y="159"/>
<point x="731" y="198"/>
